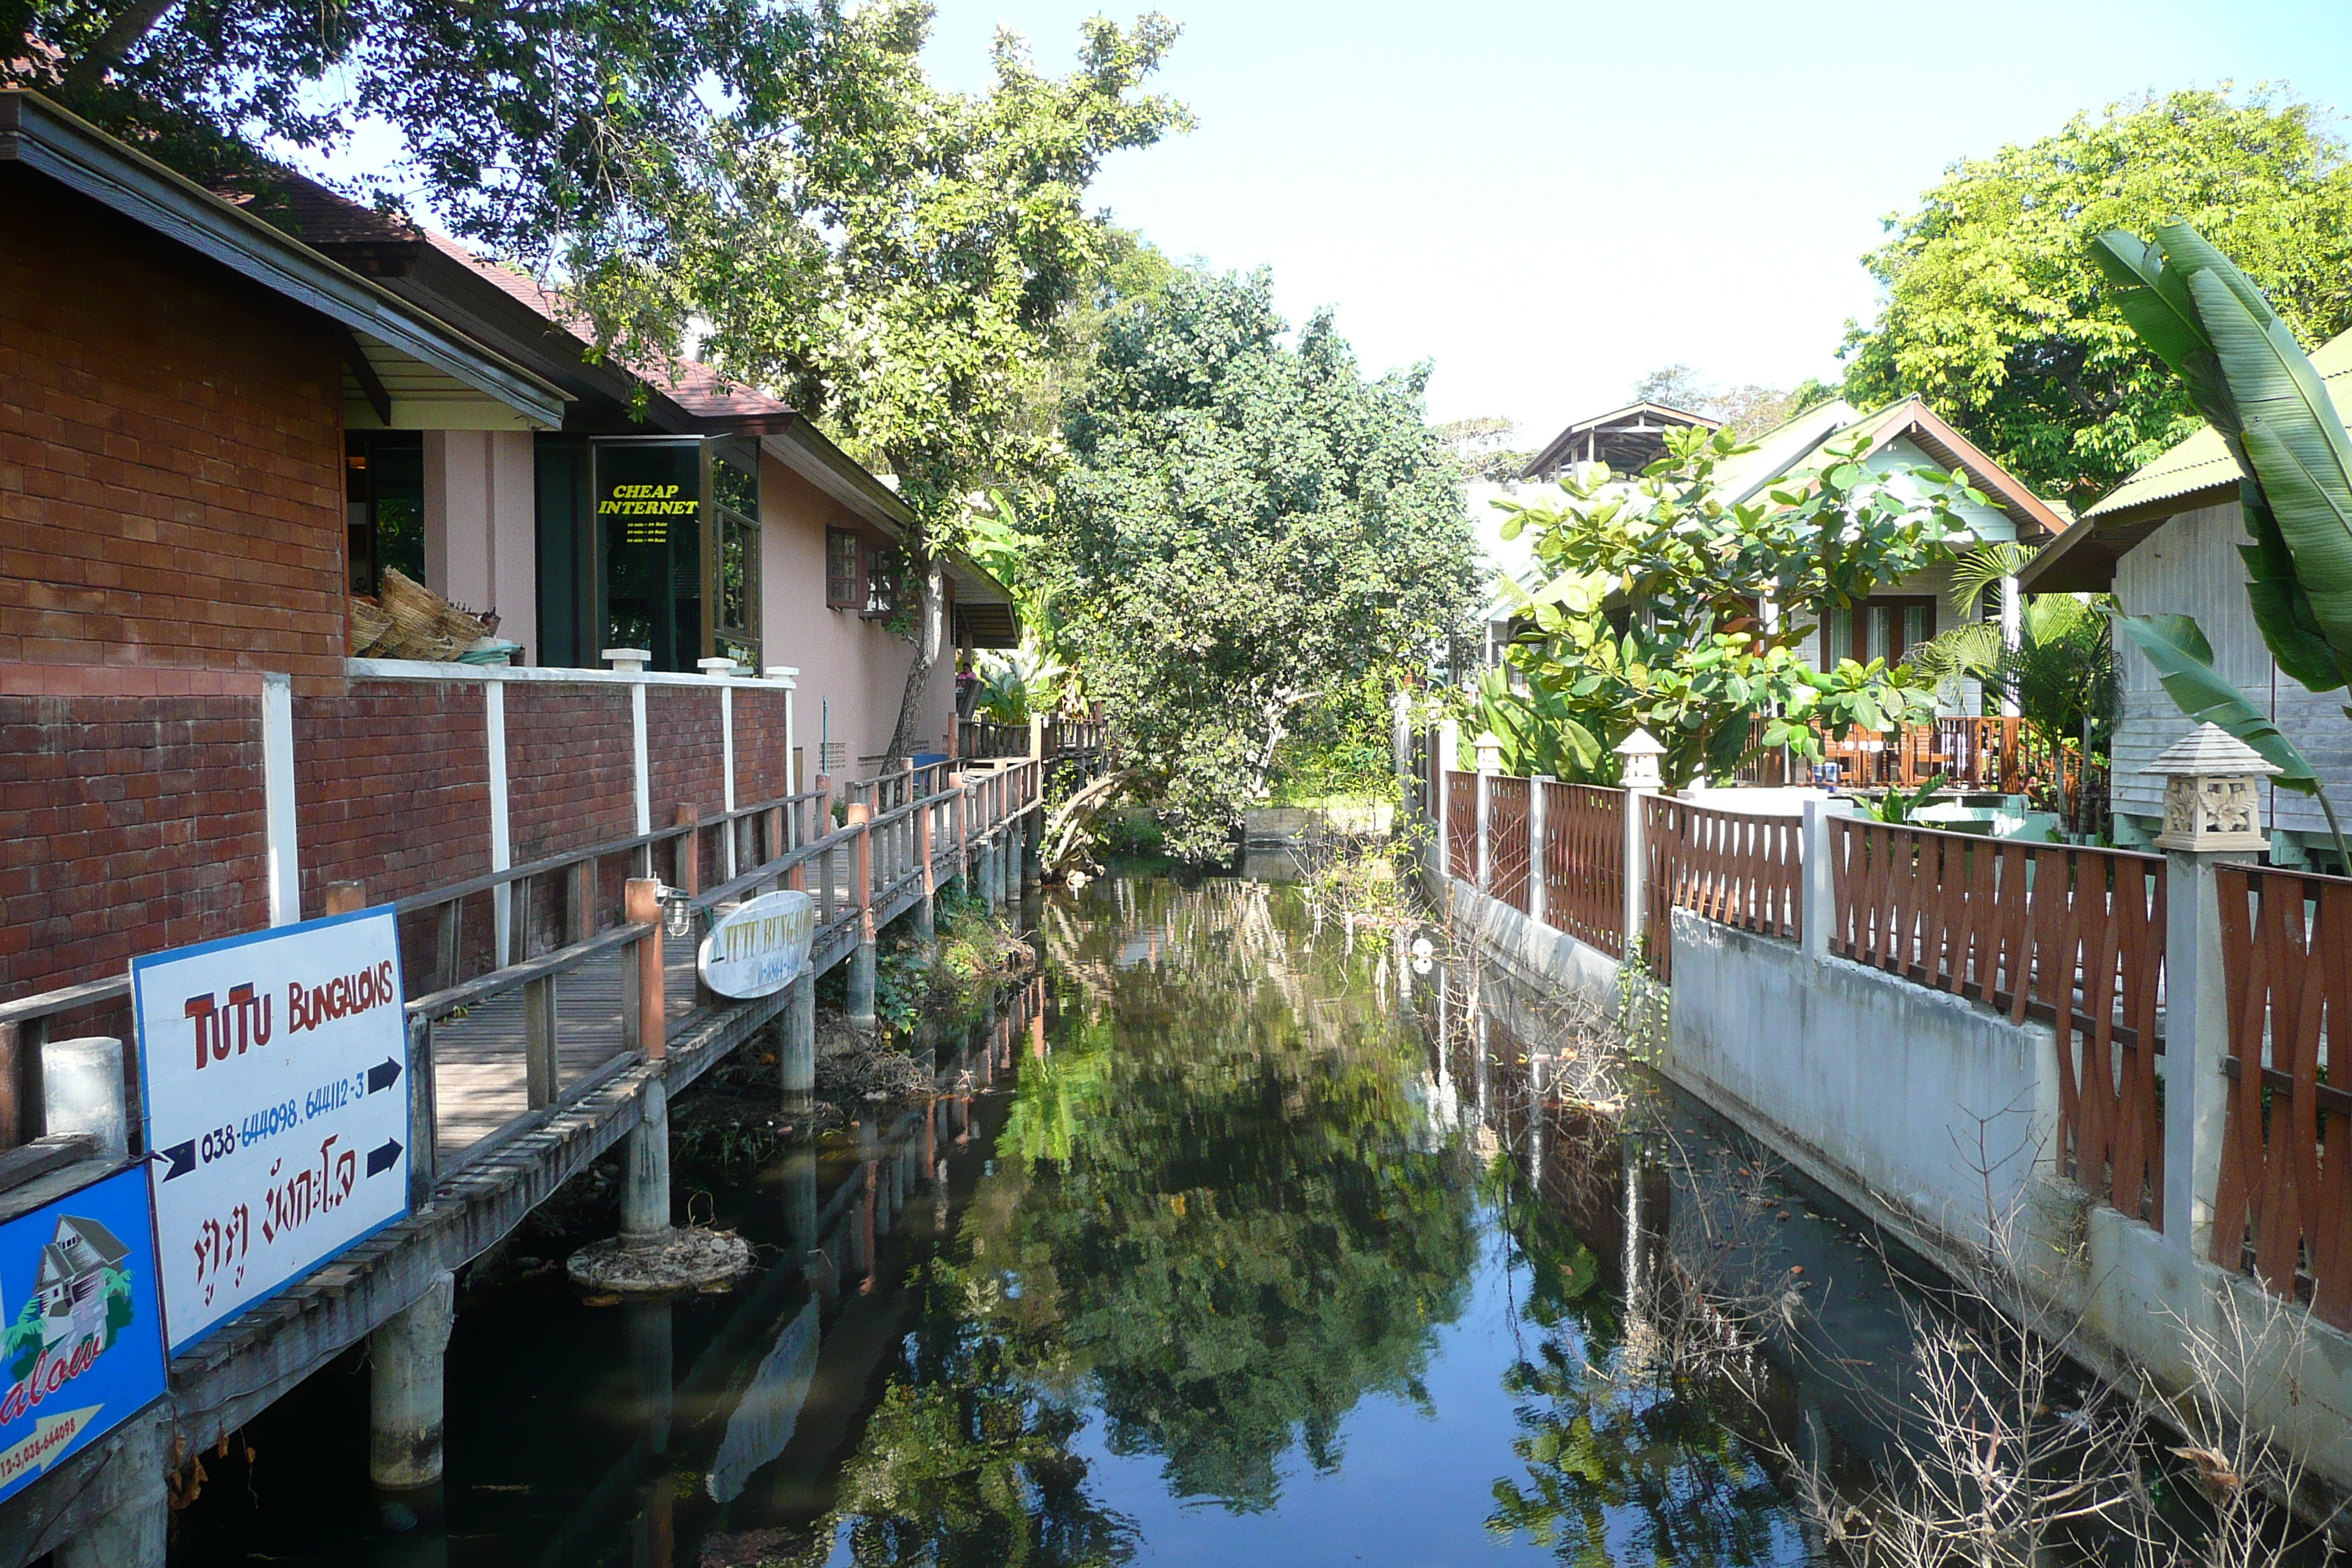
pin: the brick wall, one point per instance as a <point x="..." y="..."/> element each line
<point x="391" y="784"/>
<point x="571" y="767"/>
<point x="763" y="755"/>
<point x="685" y="753"/>
<point x="170" y="454"/>
<point x="131" y="819"/>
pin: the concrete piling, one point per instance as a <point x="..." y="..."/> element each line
<point x="645" y="1172"/>
<point x="1032" y="850"/>
<point x="796" y="1047"/>
<point x="406" y="1358"/>
<point x="135" y="1523"/>
<point x="861" y="985"/>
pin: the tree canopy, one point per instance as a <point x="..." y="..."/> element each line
<point x="1750" y="408"/>
<point x="1246" y="527"/>
<point x="1995" y="313"/>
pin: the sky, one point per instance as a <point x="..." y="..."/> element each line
<point x="1544" y="201"/>
<point x="1547" y="200"/>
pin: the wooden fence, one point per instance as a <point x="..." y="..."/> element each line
<point x="2283" y="1202"/>
<point x="1727" y="866"/>
<point x="1584" y="864"/>
<point x="2073" y="937"/>
<point x="1975" y="754"/>
<point x="1461" y="824"/>
<point x="1506" y="840"/>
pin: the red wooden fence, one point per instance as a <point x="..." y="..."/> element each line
<point x="1584" y="864"/>
<point x="1728" y="866"/>
<point x="2073" y="937"/>
<point x="2285" y="1188"/>
<point x="1461" y="824"/>
<point x="1506" y="840"/>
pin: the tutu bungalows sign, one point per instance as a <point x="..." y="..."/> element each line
<point x="758" y="948"/>
<point x="273" y="1070"/>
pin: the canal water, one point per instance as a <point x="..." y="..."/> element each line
<point x="1237" y="1239"/>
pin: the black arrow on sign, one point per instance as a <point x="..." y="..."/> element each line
<point x="182" y="1158"/>
<point x="380" y="1160"/>
<point x="383" y="1075"/>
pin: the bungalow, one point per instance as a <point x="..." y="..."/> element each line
<point x="70" y="1281"/>
<point x="1897" y="617"/>
<point x="215" y="433"/>
<point x="2166" y="540"/>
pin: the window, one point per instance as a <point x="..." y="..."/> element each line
<point x="845" y="570"/>
<point x="384" y="488"/>
<point x="735" y="493"/>
<point x="885" y="577"/>
<point x="1879" y="629"/>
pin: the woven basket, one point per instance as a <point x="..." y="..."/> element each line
<point x="416" y="612"/>
<point x="369" y="626"/>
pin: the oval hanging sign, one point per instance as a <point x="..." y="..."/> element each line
<point x="758" y="948"/>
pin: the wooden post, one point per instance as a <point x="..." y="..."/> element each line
<point x="543" y="1066"/>
<point x="21" y="1091"/>
<point x="861" y="889"/>
<point x="652" y="1012"/>
<point x="345" y="898"/>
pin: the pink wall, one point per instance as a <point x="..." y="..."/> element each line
<point x="852" y="666"/>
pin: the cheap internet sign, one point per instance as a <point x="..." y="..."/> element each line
<point x="274" y="1079"/>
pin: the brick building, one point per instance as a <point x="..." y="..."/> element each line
<point x="214" y="432"/>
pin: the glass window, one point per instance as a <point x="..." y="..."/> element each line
<point x="735" y="491"/>
<point x="845" y="570"/>
<point x="649" y="519"/>
<point x="383" y="487"/>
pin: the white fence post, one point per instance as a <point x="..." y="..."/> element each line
<point x="494" y="742"/>
<point x="1490" y="762"/>
<point x="1447" y="745"/>
<point x="1536" y="792"/>
<point x="1817" y="874"/>
<point x="277" y="799"/>
<point x="1641" y="751"/>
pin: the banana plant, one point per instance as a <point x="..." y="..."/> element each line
<point x="2254" y="385"/>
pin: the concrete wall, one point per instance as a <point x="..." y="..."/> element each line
<point x="853" y="670"/>
<point x="1937" y="1105"/>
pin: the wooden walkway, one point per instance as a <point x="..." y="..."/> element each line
<point x="479" y="1076"/>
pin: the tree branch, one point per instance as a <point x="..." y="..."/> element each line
<point x="133" y="23"/>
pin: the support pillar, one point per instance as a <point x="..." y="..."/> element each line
<point x="1640" y="751"/>
<point x="1490" y="762"/>
<point x="796" y="1047"/>
<point x="861" y="962"/>
<point x="406" y="1358"/>
<point x="1032" y="850"/>
<point x="2196" y="1048"/>
<point x="136" y="1524"/>
<point x="1536" y="862"/>
<point x="644" y="1171"/>
<point x="1817" y="876"/>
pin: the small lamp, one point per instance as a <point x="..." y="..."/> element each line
<point x="1641" y="750"/>
<point x="1490" y="752"/>
<point x="2210" y="801"/>
<point x="678" y="911"/>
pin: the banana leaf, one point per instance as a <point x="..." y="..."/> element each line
<point x="2176" y="645"/>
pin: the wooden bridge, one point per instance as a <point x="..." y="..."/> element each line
<point x="541" y="1005"/>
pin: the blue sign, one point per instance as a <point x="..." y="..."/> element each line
<point x="83" y="1351"/>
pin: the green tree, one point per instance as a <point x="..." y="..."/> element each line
<point x="2247" y="376"/>
<point x="1750" y="408"/>
<point x="1995" y="314"/>
<point x="1246" y="528"/>
<point x="1651" y="617"/>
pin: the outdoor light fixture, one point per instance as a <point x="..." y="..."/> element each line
<point x="678" y="911"/>
<point x="1641" y="750"/>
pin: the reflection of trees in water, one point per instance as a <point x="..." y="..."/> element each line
<point x="1209" y="1219"/>
<point x="1619" y="1391"/>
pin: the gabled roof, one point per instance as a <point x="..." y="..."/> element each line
<point x="1641" y="423"/>
<point x="387" y="336"/>
<point x="1802" y="444"/>
<point x="2198" y="472"/>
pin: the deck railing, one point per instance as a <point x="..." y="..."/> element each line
<point x="1584" y="862"/>
<point x="1734" y="867"/>
<point x="1507" y="867"/>
<point x="2284" y="1203"/>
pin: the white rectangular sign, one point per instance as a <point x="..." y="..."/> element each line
<point x="274" y="1073"/>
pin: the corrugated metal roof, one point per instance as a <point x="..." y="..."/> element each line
<point x="2201" y="462"/>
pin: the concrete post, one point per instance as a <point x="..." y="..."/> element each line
<point x="406" y="1357"/>
<point x="1010" y="877"/>
<point x="82" y="1091"/>
<point x="1536" y="792"/>
<point x="1486" y="839"/>
<point x="1640" y="751"/>
<point x="645" y="1170"/>
<point x="2196" y="1044"/>
<point x="1401" y="744"/>
<point x="1817" y="876"/>
<point x="1448" y="747"/>
<point x="134" y="1531"/>
<point x="796" y="1045"/>
<point x="1032" y="850"/>
<point x="861" y="963"/>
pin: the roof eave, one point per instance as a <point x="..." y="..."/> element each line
<point x="62" y="146"/>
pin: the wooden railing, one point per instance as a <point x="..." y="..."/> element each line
<point x="2283" y="1202"/>
<point x="1584" y="864"/>
<point x="1972" y="755"/>
<point x="2073" y="937"/>
<point x="1462" y="825"/>
<point x="1507" y="871"/>
<point x="1727" y="866"/>
<point x="984" y="740"/>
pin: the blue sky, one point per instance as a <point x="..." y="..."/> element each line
<point x="1548" y="199"/>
